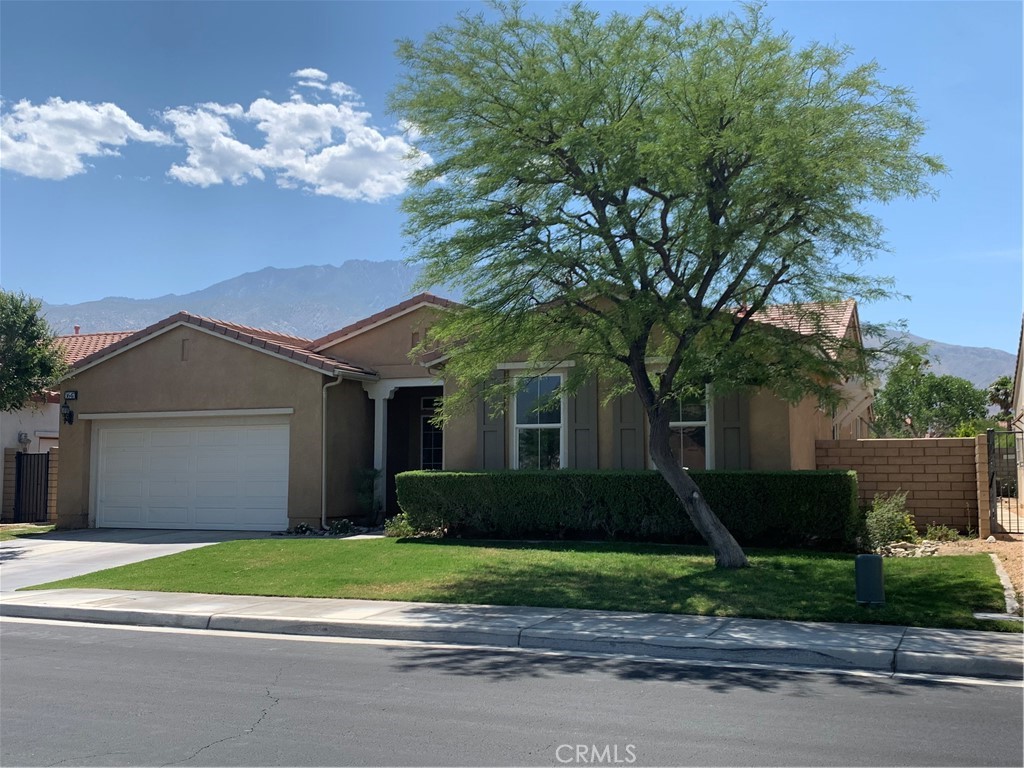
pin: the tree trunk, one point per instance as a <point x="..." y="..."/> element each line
<point x="728" y="553"/>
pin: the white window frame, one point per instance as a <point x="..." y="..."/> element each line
<point x="709" y="432"/>
<point x="514" y="426"/>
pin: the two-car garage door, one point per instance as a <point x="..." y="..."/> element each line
<point x="207" y="475"/>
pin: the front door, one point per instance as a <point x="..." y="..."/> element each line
<point x="413" y="442"/>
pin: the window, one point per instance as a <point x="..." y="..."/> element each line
<point x="431" y="443"/>
<point x="690" y="434"/>
<point x="537" y="437"/>
<point x="431" y="438"/>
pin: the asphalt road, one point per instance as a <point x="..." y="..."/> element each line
<point x="83" y="695"/>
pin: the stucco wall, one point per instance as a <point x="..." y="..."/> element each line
<point x="807" y="424"/>
<point x="386" y="348"/>
<point x="186" y="369"/>
<point x="460" y="438"/>
<point x="349" y="445"/>
<point x="769" y="432"/>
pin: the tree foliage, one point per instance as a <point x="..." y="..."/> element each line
<point x="630" y="191"/>
<point x="918" y="403"/>
<point x="1000" y="394"/>
<point x="30" y="360"/>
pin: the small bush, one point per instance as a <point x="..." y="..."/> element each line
<point x="340" y="527"/>
<point x="781" y="509"/>
<point x="399" y="527"/>
<point x="941" y="533"/>
<point x="888" y="520"/>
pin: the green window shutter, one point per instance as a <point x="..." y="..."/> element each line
<point x="627" y="432"/>
<point x="732" y="433"/>
<point x="582" y="426"/>
<point x="490" y="434"/>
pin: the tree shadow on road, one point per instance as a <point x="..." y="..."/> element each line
<point x="501" y="665"/>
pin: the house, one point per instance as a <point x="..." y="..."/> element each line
<point x="34" y="428"/>
<point x="199" y="423"/>
<point x="1017" y="407"/>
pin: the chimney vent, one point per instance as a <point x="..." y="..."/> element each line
<point x="77" y="329"/>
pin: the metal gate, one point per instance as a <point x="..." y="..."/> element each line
<point x="1005" y="474"/>
<point x="31" y="483"/>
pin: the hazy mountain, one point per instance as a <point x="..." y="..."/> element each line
<point x="979" y="365"/>
<point x="305" y="301"/>
<point x="312" y="301"/>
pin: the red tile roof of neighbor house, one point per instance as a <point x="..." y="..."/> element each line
<point x="380" y="317"/>
<point x="805" y="319"/>
<point x="279" y="344"/>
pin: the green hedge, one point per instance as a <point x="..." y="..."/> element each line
<point x="772" y="509"/>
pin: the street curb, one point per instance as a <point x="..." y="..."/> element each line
<point x="957" y="664"/>
<point x="479" y="634"/>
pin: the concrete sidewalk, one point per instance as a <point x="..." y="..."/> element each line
<point x="839" y="646"/>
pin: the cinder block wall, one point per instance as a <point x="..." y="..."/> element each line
<point x="938" y="474"/>
<point x="7" y="513"/>
<point x="51" y="489"/>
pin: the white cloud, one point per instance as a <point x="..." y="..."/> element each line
<point x="52" y="140"/>
<point x="309" y="73"/>
<point x="328" y="148"/>
<point x="214" y="154"/>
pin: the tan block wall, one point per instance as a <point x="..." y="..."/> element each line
<point x="7" y="513"/>
<point x="940" y="475"/>
<point x="981" y="462"/>
<point x="51" y="489"/>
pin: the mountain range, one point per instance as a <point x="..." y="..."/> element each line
<point x="312" y="301"/>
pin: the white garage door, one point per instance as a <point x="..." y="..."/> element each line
<point x="203" y="477"/>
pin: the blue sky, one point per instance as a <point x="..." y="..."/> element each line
<point x="154" y="147"/>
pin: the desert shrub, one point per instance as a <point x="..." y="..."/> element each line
<point x="399" y="527"/>
<point x="941" y="533"/>
<point x="888" y="520"/>
<point x="340" y="527"/>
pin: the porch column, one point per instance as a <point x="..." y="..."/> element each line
<point x="380" y="392"/>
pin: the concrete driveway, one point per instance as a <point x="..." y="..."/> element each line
<point x="63" y="554"/>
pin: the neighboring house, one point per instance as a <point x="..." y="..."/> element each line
<point x="199" y="423"/>
<point x="1017" y="406"/>
<point x="34" y="428"/>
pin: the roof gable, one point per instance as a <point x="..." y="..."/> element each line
<point x="380" y="318"/>
<point x="290" y="348"/>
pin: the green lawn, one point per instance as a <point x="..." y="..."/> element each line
<point x="928" y="592"/>
<point x="23" y="529"/>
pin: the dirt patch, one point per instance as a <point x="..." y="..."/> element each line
<point x="1009" y="548"/>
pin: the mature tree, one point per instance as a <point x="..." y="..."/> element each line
<point x="30" y="359"/>
<point x="917" y="403"/>
<point x="1000" y="394"/>
<point x="650" y="182"/>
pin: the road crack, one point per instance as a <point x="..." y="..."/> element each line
<point x="273" y="702"/>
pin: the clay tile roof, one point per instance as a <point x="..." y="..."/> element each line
<point x="81" y="345"/>
<point x="381" y="317"/>
<point x="281" y="344"/>
<point x="806" y="319"/>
